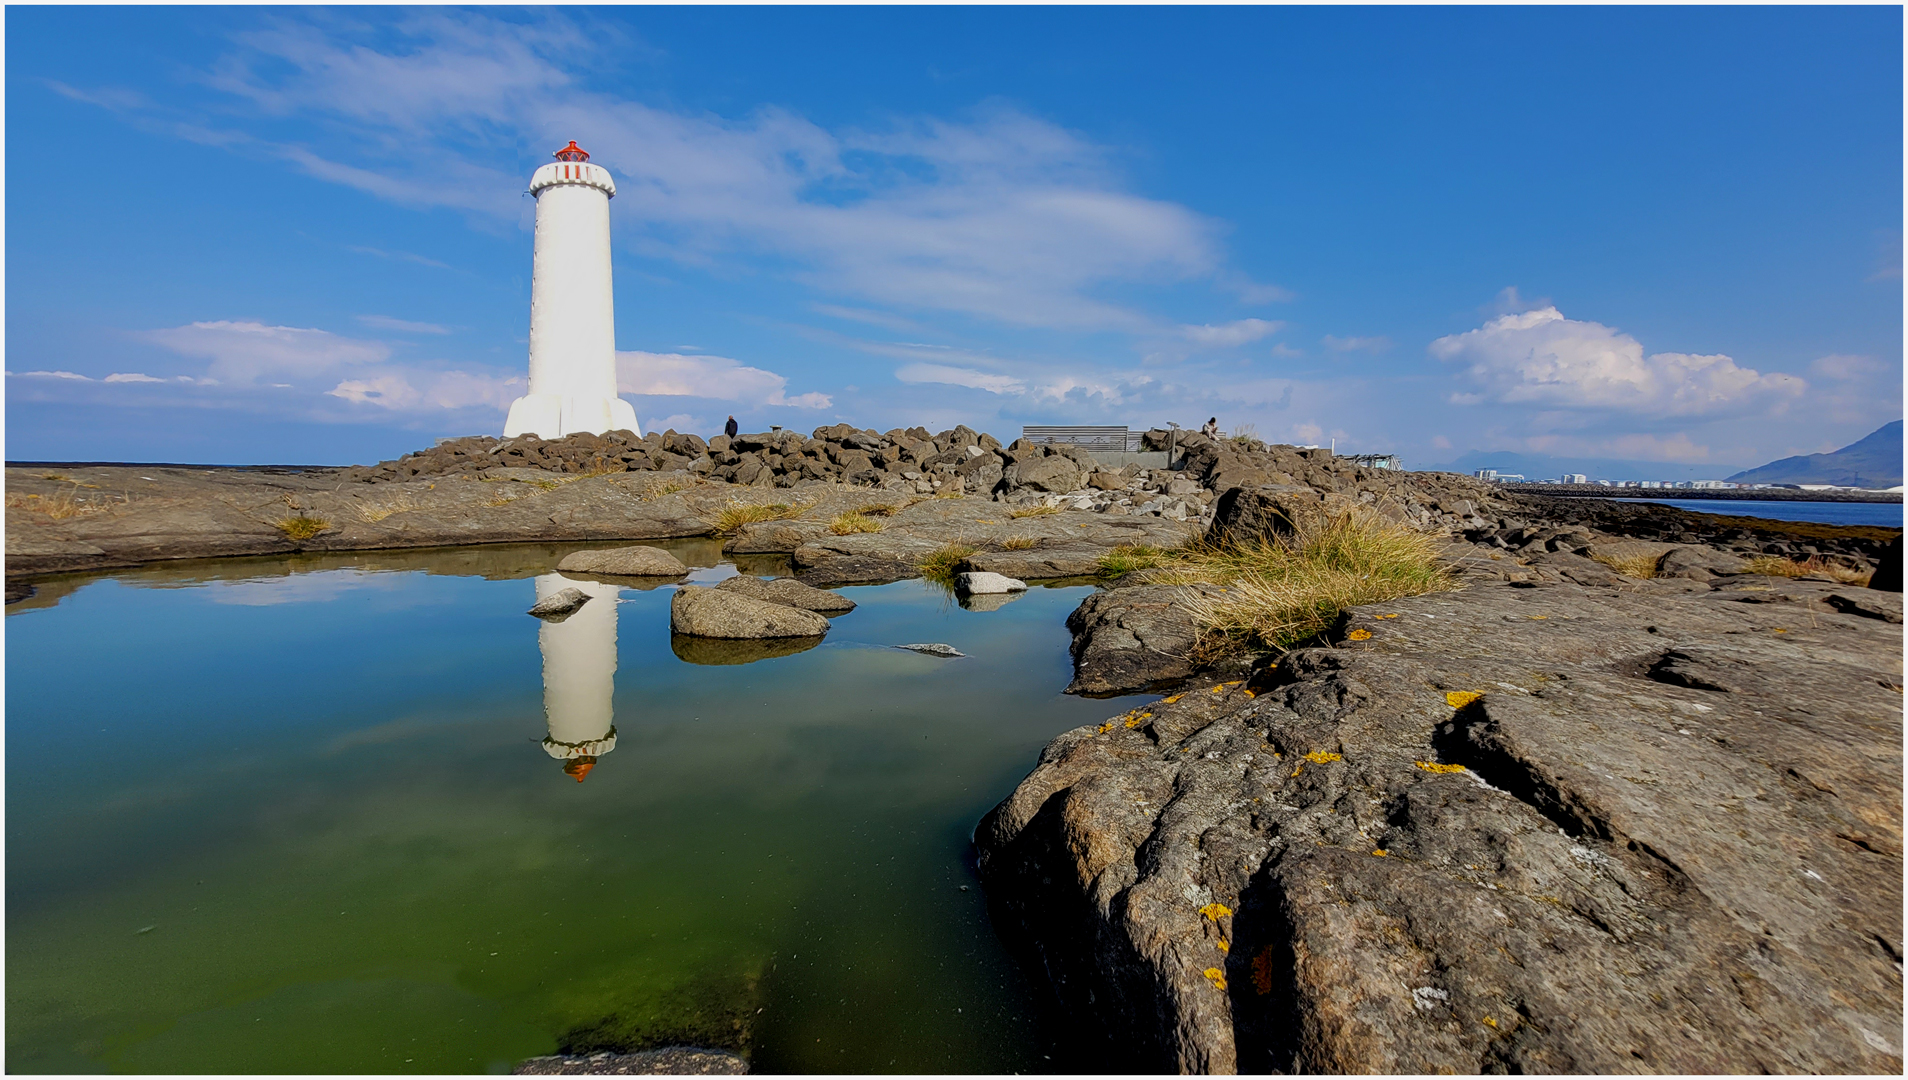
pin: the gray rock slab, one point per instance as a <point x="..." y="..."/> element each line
<point x="934" y="649"/>
<point x="637" y="561"/>
<point x="1520" y="827"/>
<point x="718" y="613"/>
<point x="790" y="592"/>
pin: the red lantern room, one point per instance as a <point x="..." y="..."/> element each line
<point x="572" y="152"/>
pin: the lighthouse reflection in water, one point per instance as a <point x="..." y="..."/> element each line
<point x="579" y="675"/>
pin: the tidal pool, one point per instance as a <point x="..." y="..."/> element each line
<point x="353" y="813"/>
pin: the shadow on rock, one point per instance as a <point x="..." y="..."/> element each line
<point x="718" y="651"/>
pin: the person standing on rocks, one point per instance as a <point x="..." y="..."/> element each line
<point x="1211" y="430"/>
<point x="731" y="428"/>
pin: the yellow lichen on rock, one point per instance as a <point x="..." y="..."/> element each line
<point x="1457" y="699"/>
<point x="1359" y="635"/>
<point x="1320" y="757"/>
<point x="1218" y="977"/>
<point x="1435" y="767"/>
<point x="1215" y="911"/>
<point x="1174" y="700"/>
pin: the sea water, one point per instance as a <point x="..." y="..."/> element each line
<point x="312" y="815"/>
<point x="1885" y="515"/>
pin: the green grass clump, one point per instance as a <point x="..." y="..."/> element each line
<point x="846" y="524"/>
<point x="737" y="514"/>
<point x="1280" y="594"/>
<point x="939" y="564"/>
<point x="1127" y="558"/>
<point x="302" y="527"/>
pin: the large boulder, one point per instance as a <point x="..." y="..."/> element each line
<point x="637" y="561"/>
<point x="788" y="592"/>
<point x="1055" y="472"/>
<point x="1248" y="515"/>
<point x="1700" y="563"/>
<point x="1888" y="571"/>
<point x="559" y="605"/>
<point x="720" y="613"/>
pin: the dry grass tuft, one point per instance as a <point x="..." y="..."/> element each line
<point x="1278" y="595"/>
<point x="667" y="487"/>
<point x="879" y="510"/>
<point x="1636" y="566"/>
<point x="1813" y="566"/>
<point x="939" y="564"/>
<point x="1033" y="511"/>
<point x="66" y="504"/>
<point x="403" y="503"/>
<point x="302" y="527"/>
<point x="857" y="522"/>
<point x="1020" y="543"/>
<point x="738" y="513"/>
<point x="949" y="493"/>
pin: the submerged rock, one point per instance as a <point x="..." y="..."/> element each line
<point x="935" y="649"/>
<point x="790" y="592"/>
<point x="721" y="613"/>
<point x="722" y="652"/>
<point x="559" y="605"/>
<point x="637" y="561"/>
<point x="983" y="581"/>
<point x="668" y="1061"/>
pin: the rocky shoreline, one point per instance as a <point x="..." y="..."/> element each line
<point x="1616" y="803"/>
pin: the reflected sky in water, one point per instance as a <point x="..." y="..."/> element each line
<point x="322" y="814"/>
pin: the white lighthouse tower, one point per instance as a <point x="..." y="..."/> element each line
<point x="572" y="324"/>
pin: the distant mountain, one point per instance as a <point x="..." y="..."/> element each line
<point x="1549" y="467"/>
<point x="1874" y="462"/>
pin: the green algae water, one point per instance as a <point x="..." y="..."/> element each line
<point x="324" y="814"/>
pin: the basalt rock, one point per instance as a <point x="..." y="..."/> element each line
<point x="1527" y="826"/>
<point x="720" y="613"/>
<point x="789" y="592"/>
<point x="636" y="561"/>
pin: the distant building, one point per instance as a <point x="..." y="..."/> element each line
<point x="1485" y="474"/>
<point x="1573" y="478"/>
<point x="1711" y="484"/>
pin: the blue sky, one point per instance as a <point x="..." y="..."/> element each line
<point x="277" y="235"/>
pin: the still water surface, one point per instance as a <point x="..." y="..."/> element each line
<point x="1884" y="515"/>
<point x="320" y="815"/>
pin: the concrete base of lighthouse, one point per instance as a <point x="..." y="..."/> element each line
<point x="552" y="416"/>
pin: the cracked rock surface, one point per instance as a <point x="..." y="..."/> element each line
<point x="1525" y="826"/>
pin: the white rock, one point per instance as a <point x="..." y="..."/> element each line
<point x="980" y="581"/>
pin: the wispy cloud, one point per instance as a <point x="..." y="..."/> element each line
<point x="705" y="376"/>
<point x="398" y="256"/>
<point x="242" y="352"/>
<point x="402" y="326"/>
<point x="999" y="215"/>
<point x="131" y="377"/>
<point x="1242" y="332"/>
<point x="1355" y="344"/>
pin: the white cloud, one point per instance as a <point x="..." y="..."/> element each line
<point x="403" y="326"/>
<point x="1286" y="352"/>
<point x="417" y="390"/>
<point x="131" y="376"/>
<point x="1000" y="215"/>
<point x="242" y="352"/>
<point x="1356" y="344"/>
<point x="678" y="422"/>
<point x="54" y="375"/>
<point x="719" y="377"/>
<point x="1541" y="358"/>
<point x="1230" y="334"/>
<point x="399" y="256"/>
<point x="959" y="376"/>
<point x="1847" y="368"/>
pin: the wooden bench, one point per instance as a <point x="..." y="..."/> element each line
<point x="1103" y="438"/>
